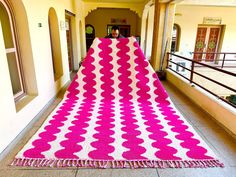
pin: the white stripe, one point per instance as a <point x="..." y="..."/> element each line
<point x="60" y="137"/>
<point x="166" y="127"/>
<point x="191" y="129"/>
<point x="90" y="130"/>
<point x="147" y="144"/>
<point x="54" y="144"/>
<point x="117" y="144"/>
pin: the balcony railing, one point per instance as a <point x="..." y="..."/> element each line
<point x="191" y="68"/>
<point x="219" y="59"/>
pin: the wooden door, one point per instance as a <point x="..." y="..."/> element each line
<point x="69" y="43"/>
<point x="207" y="41"/>
<point x="200" y="43"/>
<point x="212" y="43"/>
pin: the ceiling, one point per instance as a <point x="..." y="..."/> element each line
<point x="117" y="1"/>
<point x="184" y="2"/>
<point x="124" y="1"/>
<point x="209" y="2"/>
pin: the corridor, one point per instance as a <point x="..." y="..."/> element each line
<point x="219" y="141"/>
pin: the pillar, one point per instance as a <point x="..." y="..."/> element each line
<point x="163" y="26"/>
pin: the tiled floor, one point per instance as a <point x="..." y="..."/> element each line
<point x="221" y="143"/>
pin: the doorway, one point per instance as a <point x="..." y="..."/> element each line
<point x="207" y="43"/>
<point x="124" y="29"/>
<point x="175" y="38"/>
<point x="90" y="35"/>
<point x="68" y="19"/>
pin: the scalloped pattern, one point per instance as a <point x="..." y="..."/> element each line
<point x="84" y="125"/>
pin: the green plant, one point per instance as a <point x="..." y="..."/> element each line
<point x="232" y="99"/>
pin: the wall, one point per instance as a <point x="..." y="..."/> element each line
<point x="135" y="7"/>
<point x="101" y="17"/>
<point x="149" y="32"/>
<point x="79" y="33"/>
<point x="188" y="17"/>
<point x="13" y="118"/>
<point x="225" y="79"/>
<point x="158" y="34"/>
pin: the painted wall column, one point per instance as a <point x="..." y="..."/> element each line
<point x="80" y="28"/>
<point x="143" y="28"/>
<point x="149" y="33"/>
<point x="83" y="38"/>
<point x="170" y="17"/>
<point x="163" y="24"/>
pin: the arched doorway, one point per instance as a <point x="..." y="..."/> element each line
<point x="69" y="19"/>
<point x="90" y="35"/>
<point x="175" y="38"/>
<point x="127" y="20"/>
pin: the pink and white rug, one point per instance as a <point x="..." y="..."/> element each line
<point x="116" y="114"/>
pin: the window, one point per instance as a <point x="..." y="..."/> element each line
<point x="12" y="51"/>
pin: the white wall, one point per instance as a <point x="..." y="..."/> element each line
<point x="188" y="17"/>
<point x="226" y="79"/>
<point x="13" y="119"/>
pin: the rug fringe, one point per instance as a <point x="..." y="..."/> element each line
<point x="116" y="163"/>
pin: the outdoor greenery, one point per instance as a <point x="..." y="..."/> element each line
<point x="232" y="99"/>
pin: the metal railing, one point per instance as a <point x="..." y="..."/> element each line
<point x="192" y="71"/>
<point x="220" y="59"/>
